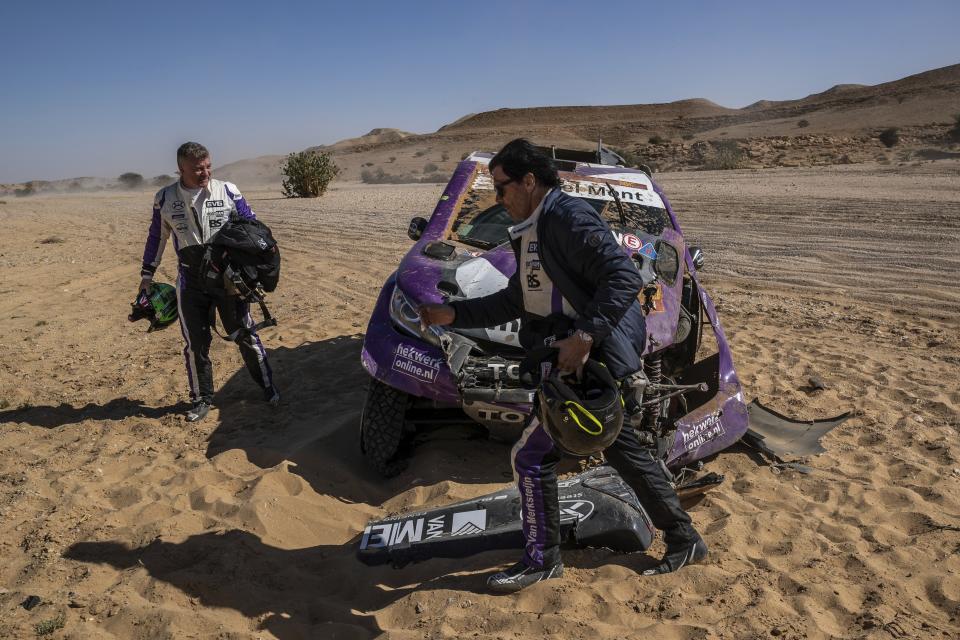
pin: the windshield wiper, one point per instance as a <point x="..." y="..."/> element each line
<point x="616" y="198"/>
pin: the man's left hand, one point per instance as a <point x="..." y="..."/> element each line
<point x="572" y="353"/>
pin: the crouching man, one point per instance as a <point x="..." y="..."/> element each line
<point x="569" y="263"/>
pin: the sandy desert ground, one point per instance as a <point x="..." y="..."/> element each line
<point x="131" y="523"/>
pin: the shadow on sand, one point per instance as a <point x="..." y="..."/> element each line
<point x="316" y="427"/>
<point x="322" y="591"/>
<point x="319" y="592"/>
<point x="51" y="417"/>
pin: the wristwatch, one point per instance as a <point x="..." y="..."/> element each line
<point x="583" y="335"/>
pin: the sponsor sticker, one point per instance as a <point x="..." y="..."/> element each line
<point x="416" y="363"/>
<point x="410" y="530"/>
<point x="575" y="510"/>
<point x="533" y="247"/>
<point x="703" y="431"/>
<point x="178" y="215"/>
<point x="210" y="204"/>
<point x="465" y="523"/>
<point x="631" y="241"/>
<point x="648" y="251"/>
<point x="179" y="205"/>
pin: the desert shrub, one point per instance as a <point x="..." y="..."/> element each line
<point x="954" y="134"/>
<point x="27" y="190"/>
<point x="430" y="168"/>
<point x="889" y="137"/>
<point x="803" y="124"/>
<point x="687" y="136"/>
<point x="130" y="180"/>
<point x="47" y="627"/>
<point x="368" y="164"/>
<point x="444" y="156"/>
<point x="379" y="176"/>
<point x="658" y="139"/>
<point x="727" y="155"/>
<point x="421" y="152"/>
<point x="392" y="159"/>
<point x="308" y="174"/>
<point x="162" y="180"/>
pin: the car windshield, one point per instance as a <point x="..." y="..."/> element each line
<point x="488" y="228"/>
<point x="649" y="219"/>
<point x="483" y="223"/>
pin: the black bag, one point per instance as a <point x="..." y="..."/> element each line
<point x="244" y="253"/>
<point x="248" y="247"/>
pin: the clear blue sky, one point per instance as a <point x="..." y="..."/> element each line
<point x="99" y="88"/>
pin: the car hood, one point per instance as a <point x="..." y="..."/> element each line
<point x="467" y="273"/>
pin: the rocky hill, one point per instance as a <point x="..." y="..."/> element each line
<point x="842" y="125"/>
<point x="838" y="126"/>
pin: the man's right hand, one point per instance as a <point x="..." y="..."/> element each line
<point x="144" y="286"/>
<point x="431" y="314"/>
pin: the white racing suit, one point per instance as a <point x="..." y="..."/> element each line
<point x="192" y="227"/>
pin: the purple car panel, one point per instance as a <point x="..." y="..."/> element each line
<point x="461" y="252"/>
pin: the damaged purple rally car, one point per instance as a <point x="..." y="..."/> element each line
<point x="692" y="400"/>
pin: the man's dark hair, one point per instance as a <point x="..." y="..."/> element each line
<point x="192" y="151"/>
<point x="519" y="157"/>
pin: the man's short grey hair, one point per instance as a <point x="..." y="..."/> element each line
<point x="192" y="151"/>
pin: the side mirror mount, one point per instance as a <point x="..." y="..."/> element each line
<point x="696" y="256"/>
<point x="415" y="230"/>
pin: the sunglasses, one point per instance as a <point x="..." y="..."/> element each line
<point x="498" y="188"/>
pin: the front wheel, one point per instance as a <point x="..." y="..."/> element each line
<point x="383" y="428"/>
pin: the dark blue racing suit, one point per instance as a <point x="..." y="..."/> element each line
<point x="579" y="254"/>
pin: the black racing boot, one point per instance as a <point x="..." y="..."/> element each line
<point x="679" y="556"/>
<point x="199" y="411"/>
<point x="520" y="576"/>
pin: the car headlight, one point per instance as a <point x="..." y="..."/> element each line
<point x="405" y="316"/>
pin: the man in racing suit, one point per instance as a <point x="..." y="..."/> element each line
<point x="568" y="262"/>
<point x="192" y="210"/>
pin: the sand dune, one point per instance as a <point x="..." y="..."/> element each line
<point x="134" y="524"/>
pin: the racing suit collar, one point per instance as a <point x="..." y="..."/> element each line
<point x="517" y="229"/>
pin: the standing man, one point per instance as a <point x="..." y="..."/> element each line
<point x="568" y="262"/>
<point x="193" y="209"/>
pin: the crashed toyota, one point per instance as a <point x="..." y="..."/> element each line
<point x="692" y="402"/>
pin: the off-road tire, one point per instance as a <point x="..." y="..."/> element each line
<point x="383" y="429"/>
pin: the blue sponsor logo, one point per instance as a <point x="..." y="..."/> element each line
<point x="648" y="251"/>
